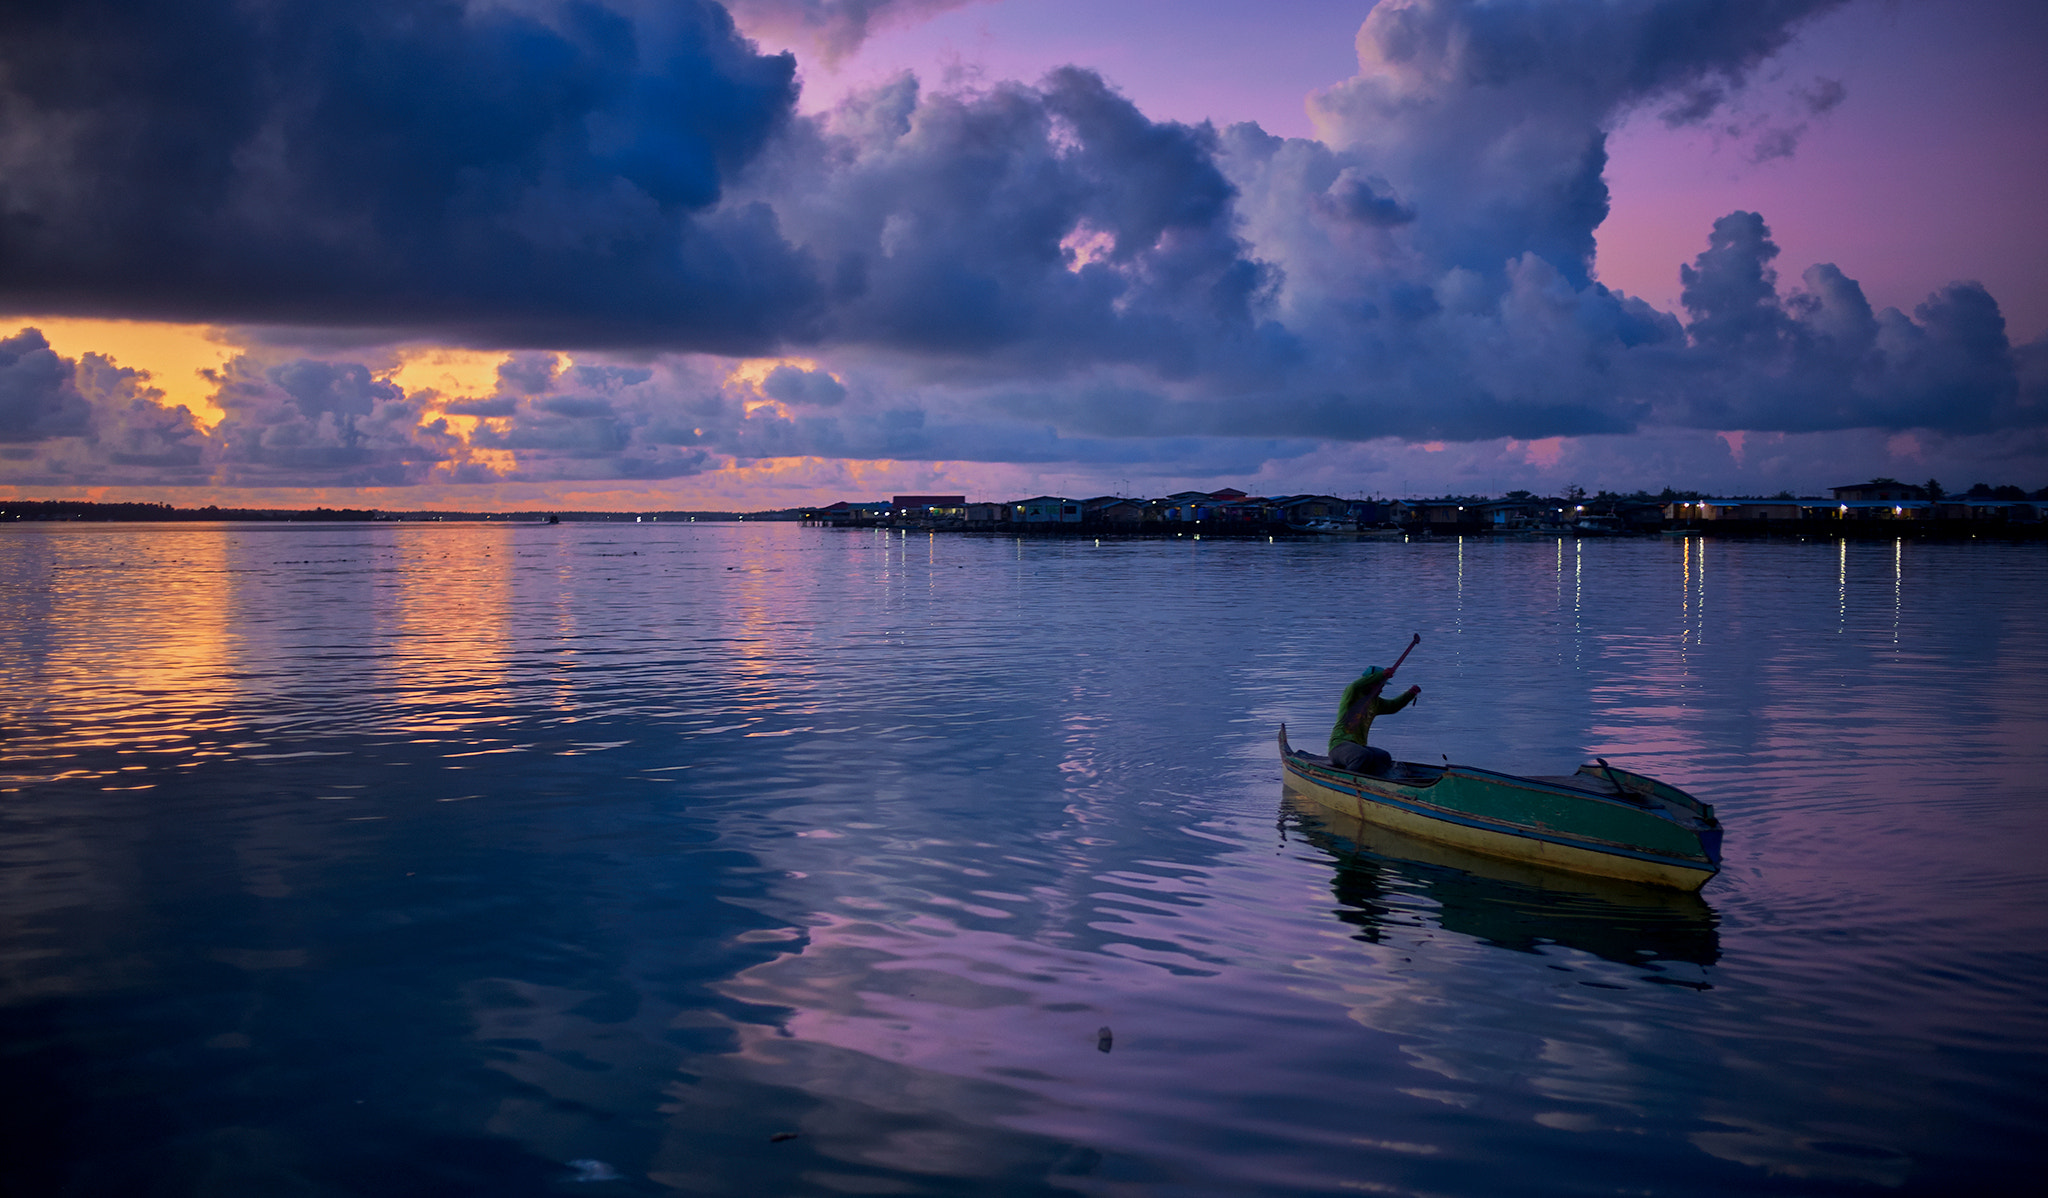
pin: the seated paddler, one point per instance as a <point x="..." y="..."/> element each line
<point x="1355" y="713"/>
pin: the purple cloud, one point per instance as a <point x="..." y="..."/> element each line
<point x="88" y="421"/>
<point x="317" y="423"/>
<point x="39" y="396"/>
<point x="1003" y="273"/>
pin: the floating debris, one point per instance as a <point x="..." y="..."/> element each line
<point x="1103" y="1040"/>
<point x="780" y="1136"/>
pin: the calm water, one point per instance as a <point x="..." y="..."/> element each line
<point x="435" y="860"/>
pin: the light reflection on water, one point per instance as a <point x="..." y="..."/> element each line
<point x="350" y="858"/>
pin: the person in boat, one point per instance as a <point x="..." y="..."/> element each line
<point x="1355" y="712"/>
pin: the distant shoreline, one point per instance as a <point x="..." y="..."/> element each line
<point x="1789" y="531"/>
<point x="84" y="511"/>
<point x="1930" y="531"/>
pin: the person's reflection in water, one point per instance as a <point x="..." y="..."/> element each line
<point x="1502" y="903"/>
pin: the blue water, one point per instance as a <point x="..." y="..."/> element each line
<point x="756" y="859"/>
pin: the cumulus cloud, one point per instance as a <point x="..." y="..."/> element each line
<point x="835" y="27"/>
<point x="1016" y="273"/>
<point x="794" y="384"/>
<point x="591" y="421"/>
<point x="1821" y="358"/>
<point x="311" y="422"/>
<point x="1492" y="117"/>
<point x="89" y="421"/>
<point x="39" y="396"/>
<point x="1018" y="230"/>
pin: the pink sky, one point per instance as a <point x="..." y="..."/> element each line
<point x="1934" y="168"/>
<point x="1928" y="170"/>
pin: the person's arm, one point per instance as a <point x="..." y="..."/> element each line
<point x="1384" y="706"/>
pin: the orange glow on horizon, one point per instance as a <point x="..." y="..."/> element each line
<point x="749" y="373"/>
<point x="454" y="373"/>
<point x="756" y="484"/>
<point x="172" y="355"/>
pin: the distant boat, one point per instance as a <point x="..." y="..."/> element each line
<point x="1601" y="820"/>
<point x="1598" y="526"/>
<point x="1325" y="528"/>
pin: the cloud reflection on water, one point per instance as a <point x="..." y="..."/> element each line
<point x="866" y="837"/>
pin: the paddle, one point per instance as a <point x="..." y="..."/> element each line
<point x="1404" y="655"/>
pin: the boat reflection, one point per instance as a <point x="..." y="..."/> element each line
<point x="1506" y="904"/>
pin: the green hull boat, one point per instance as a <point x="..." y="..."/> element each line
<point x="1602" y="820"/>
<point x="1512" y="904"/>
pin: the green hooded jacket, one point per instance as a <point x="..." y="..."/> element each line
<point x="1339" y="733"/>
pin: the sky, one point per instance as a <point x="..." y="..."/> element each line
<point x="661" y="254"/>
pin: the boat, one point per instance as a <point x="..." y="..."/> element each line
<point x="1508" y="904"/>
<point x="1603" y="820"/>
<point x="1598" y="526"/>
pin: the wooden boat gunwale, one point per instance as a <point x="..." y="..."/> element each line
<point x="1402" y="800"/>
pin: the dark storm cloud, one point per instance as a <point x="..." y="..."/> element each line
<point x="1020" y="229"/>
<point x="517" y="172"/>
<point x="562" y="174"/>
<point x="1011" y="273"/>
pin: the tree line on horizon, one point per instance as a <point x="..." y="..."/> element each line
<point x="156" y="513"/>
<point x="142" y="512"/>
<point x="136" y="512"/>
